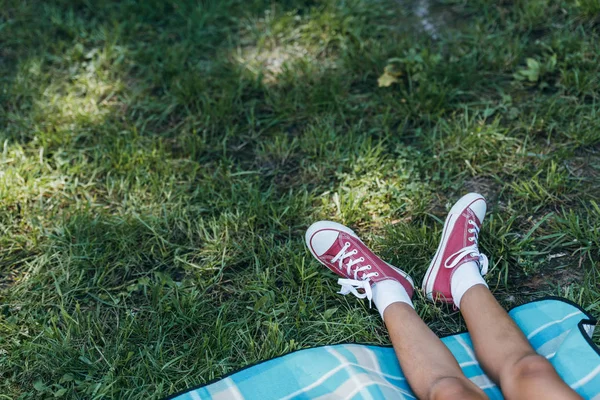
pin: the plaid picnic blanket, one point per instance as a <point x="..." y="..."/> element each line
<point x="556" y="328"/>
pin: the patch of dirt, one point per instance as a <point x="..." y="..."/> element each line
<point x="586" y="167"/>
<point x="561" y="270"/>
<point x="479" y="184"/>
<point x="483" y="185"/>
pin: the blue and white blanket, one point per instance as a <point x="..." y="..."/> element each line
<point x="557" y="329"/>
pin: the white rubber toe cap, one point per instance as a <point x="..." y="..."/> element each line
<point x="322" y="234"/>
<point x="479" y="207"/>
<point x="474" y="201"/>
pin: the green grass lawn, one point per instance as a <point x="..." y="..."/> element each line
<point x="160" y="162"/>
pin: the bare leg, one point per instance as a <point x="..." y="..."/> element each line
<point x="504" y="352"/>
<point x="429" y="367"/>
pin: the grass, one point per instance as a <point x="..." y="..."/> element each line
<point x="160" y="162"/>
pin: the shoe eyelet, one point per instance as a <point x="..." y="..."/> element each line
<point x="376" y="273"/>
<point x="354" y="251"/>
<point x="361" y="259"/>
<point x="347" y="244"/>
<point x="471" y="239"/>
<point x="471" y="221"/>
<point x="470" y="230"/>
<point x="368" y="267"/>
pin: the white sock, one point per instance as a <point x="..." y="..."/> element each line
<point x="463" y="279"/>
<point x="388" y="292"/>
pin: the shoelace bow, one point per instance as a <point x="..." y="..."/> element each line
<point x="472" y="251"/>
<point x="353" y="269"/>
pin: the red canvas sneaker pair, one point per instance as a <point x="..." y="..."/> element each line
<point x="339" y="249"/>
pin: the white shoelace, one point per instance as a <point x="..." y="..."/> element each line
<point x="352" y="285"/>
<point x="472" y="251"/>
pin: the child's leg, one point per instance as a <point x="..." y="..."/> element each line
<point x="429" y="367"/>
<point x="454" y="276"/>
<point x="504" y="352"/>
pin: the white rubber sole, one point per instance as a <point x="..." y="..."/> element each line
<point x="320" y="225"/>
<point x="436" y="262"/>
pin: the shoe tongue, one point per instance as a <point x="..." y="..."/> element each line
<point x="337" y="245"/>
<point x="476" y="219"/>
<point x="470" y="214"/>
<point x="478" y="208"/>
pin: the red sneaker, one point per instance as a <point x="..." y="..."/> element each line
<point x="339" y="249"/>
<point x="458" y="246"/>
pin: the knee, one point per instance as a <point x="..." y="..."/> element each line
<point x="530" y="367"/>
<point x="453" y="388"/>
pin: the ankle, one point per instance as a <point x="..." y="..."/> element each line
<point x="388" y="292"/>
<point x="464" y="278"/>
<point x="396" y="309"/>
<point x="473" y="295"/>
